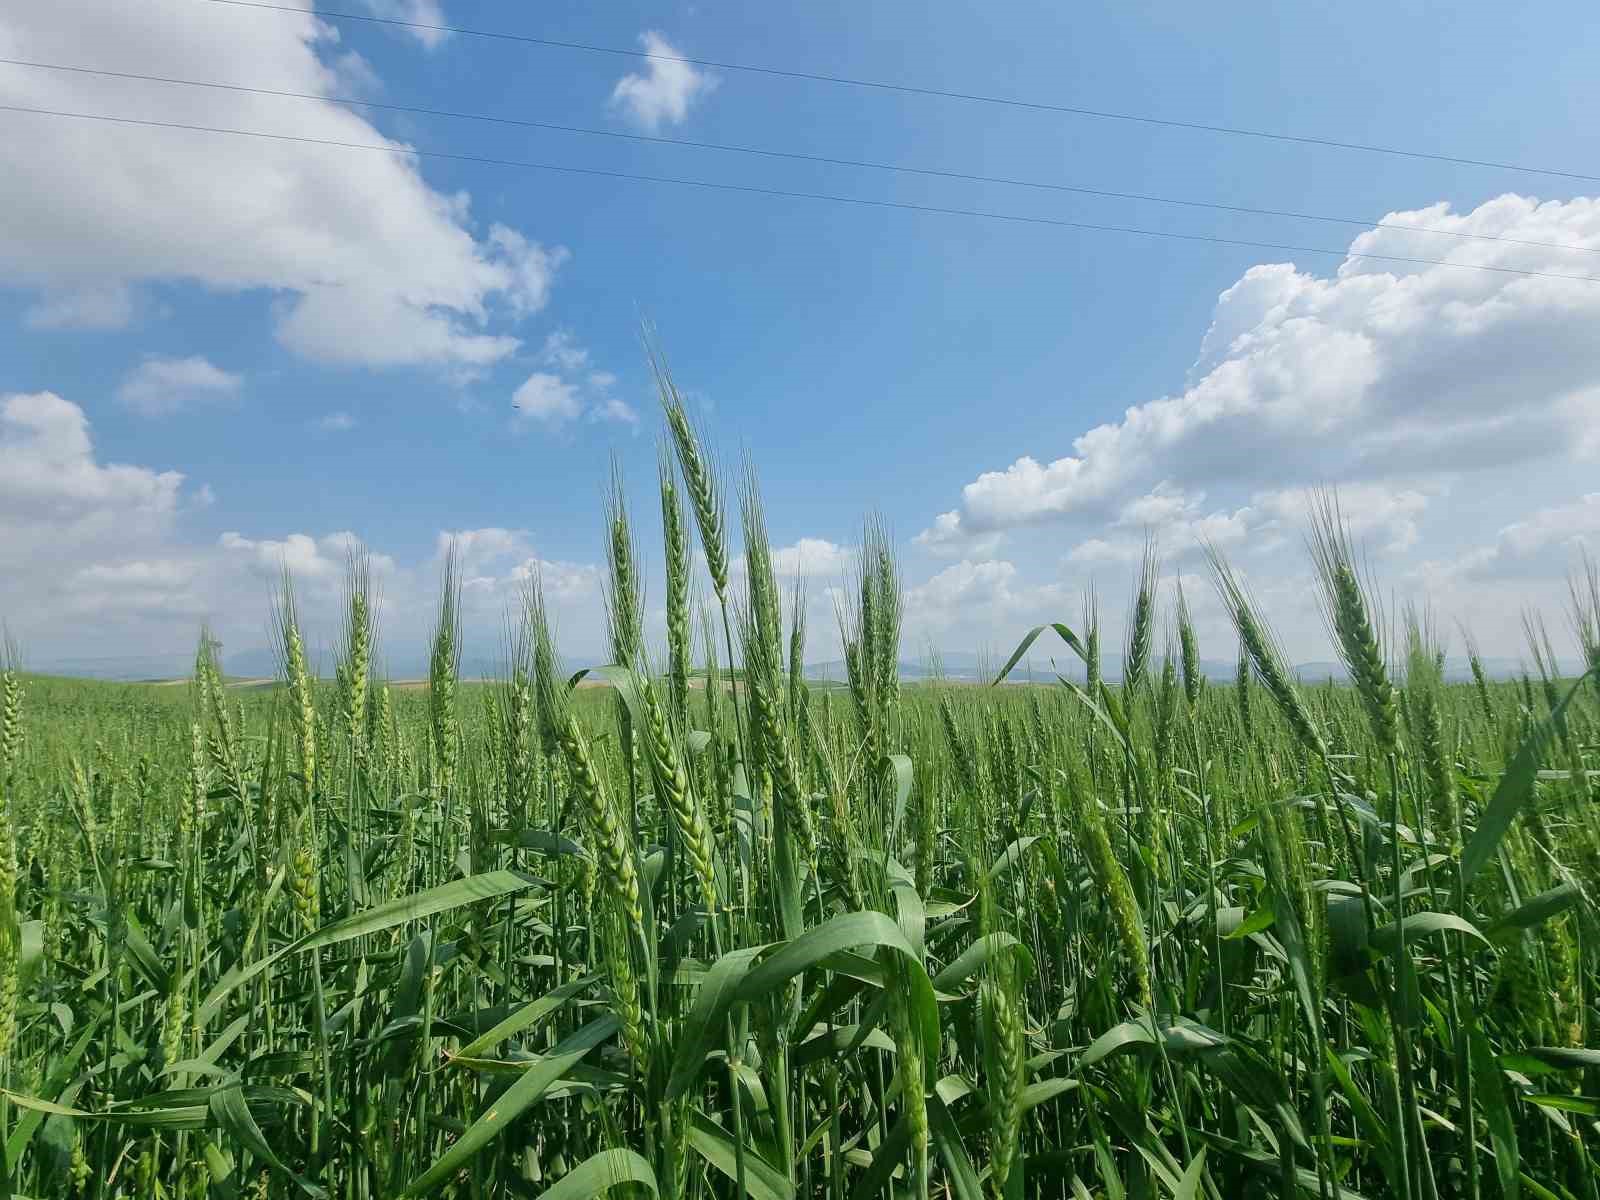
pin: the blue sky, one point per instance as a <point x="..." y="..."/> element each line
<point x="327" y="343"/>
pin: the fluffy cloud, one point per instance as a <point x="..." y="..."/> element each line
<point x="62" y="509"/>
<point x="98" y="562"/>
<point x="664" y="93"/>
<point x="561" y="350"/>
<point x="1542" y="545"/>
<point x="569" y="389"/>
<point x="305" y="557"/>
<point x="367" y="263"/>
<point x="615" y="410"/>
<point x="161" y="386"/>
<point x="1174" y="518"/>
<point x="812" y="557"/>
<point x="419" y="12"/>
<point x="987" y="593"/>
<point x="948" y="537"/>
<point x="1378" y="372"/>
<point x="105" y="307"/>
<point x="547" y="399"/>
<point x="56" y="496"/>
<point x="1181" y="526"/>
<point x="1438" y="401"/>
<point x="802" y="561"/>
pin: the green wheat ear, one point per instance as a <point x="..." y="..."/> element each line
<point x="699" y="478"/>
<point x="1189" y="645"/>
<point x="1266" y="658"/>
<point x="675" y="540"/>
<point x="625" y="590"/>
<point x="1141" y="620"/>
<point x="1424" y="691"/>
<point x="1348" y="610"/>
<point x="444" y="669"/>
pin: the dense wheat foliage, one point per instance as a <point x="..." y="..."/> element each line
<point x="1154" y="938"/>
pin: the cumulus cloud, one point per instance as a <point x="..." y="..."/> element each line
<point x="666" y="91"/>
<point x="503" y="562"/>
<point x="812" y="556"/>
<point x="949" y="538"/>
<point x="547" y="399"/>
<point x="55" y="492"/>
<point x="1437" y="401"/>
<point x="102" y="560"/>
<point x="417" y="12"/>
<point x="1379" y="371"/>
<point x="984" y="593"/>
<point x="367" y="264"/>
<point x="108" y="306"/>
<point x="159" y="386"/>
<point x="1182" y="526"/>
<point x="304" y="556"/>
<point x="805" y="558"/>
<point x="569" y="389"/>
<point x="561" y="350"/>
<point x="615" y="410"/>
<point x="62" y="508"/>
<point x="336" y="422"/>
<point x="1544" y="544"/>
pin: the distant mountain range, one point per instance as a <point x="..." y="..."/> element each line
<point x="958" y="666"/>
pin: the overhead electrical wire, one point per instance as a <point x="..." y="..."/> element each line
<point x="916" y="90"/>
<point x="791" y="155"/>
<point x="751" y="189"/>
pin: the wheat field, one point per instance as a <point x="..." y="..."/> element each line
<point x="710" y="933"/>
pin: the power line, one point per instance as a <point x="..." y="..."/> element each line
<point x="764" y="152"/>
<point x="751" y="189"/>
<point x="913" y="90"/>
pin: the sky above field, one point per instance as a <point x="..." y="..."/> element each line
<point x="221" y="353"/>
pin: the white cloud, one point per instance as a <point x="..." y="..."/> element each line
<point x="561" y="350"/>
<point x="336" y="422"/>
<point x="420" y="12"/>
<point x="497" y="564"/>
<point x="986" y="594"/>
<point x="570" y="389"/>
<point x="98" y="561"/>
<point x="367" y="263"/>
<point x="806" y="558"/>
<point x="61" y="508"/>
<point x="306" y="557"/>
<point x="1387" y="516"/>
<point x="106" y="307"/>
<point x="948" y="538"/>
<point x="547" y="399"/>
<point x="531" y="267"/>
<point x="664" y="94"/>
<point x="1381" y="371"/>
<point x="477" y="549"/>
<point x="562" y="581"/>
<point x="1542" y="545"/>
<point x="1572" y="525"/>
<point x="1384" y="515"/>
<point x="51" y="480"/>
<point x="813" y="557"/>
<point x="159" y="386"/>
<point x="614" y="410"/>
